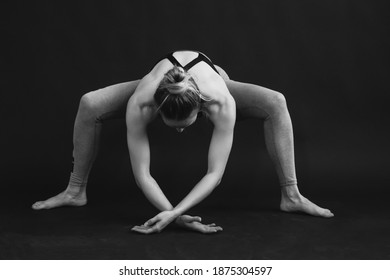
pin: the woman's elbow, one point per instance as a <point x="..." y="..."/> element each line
<point x="138" y="182"/>
<point x="216" y="176"/>
<point x="218" y="179"/>
<point x="141" y="180"/>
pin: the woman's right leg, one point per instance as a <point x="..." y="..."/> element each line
<point x="95" y="107"/>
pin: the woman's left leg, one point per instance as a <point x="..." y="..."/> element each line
<point x="254" y="101"/>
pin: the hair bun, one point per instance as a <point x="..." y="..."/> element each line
<point x="177" y="95"/>
<point x="179" y="74"/>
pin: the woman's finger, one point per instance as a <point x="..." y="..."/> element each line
<point x="219" y="228"/>
<point x="209" y="230"/>
<point x="212" y="229"/>
<point x="142" y="226"/>
<point x="144" y="229"/>
<point x="190" y="219"/>
<point x="197" y="219"/>
<point x="138" y="229"/>
<point x="151" y="221"/>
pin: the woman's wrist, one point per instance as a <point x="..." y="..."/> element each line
<point x="177" y="213"/>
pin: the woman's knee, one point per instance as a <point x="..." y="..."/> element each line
<point x="277" y="102"/>
<point x="88" y="106"/>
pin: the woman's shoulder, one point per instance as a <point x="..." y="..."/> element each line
<point x="143" y="99"/>
<point x="149" y="83"/>
<point x="220" y="109"/>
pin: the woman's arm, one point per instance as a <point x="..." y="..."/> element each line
<point x="219" y="150"/>
<point x="138" y="116"/>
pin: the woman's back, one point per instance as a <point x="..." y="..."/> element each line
<point x="206" y="78"/>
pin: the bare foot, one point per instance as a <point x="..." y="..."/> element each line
<point x="302" y="204"/>
<point x="66" y="198"/>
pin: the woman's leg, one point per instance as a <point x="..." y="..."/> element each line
<point x="95" y="107"/>
<point x="254" y="101"/>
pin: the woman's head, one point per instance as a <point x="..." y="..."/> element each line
<point x="177" y="96"/>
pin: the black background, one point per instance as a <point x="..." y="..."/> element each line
<point x="329" y="58"/>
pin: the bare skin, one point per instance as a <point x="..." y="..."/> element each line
<point x="156" y="225"/>
<point x="293" y="201"/>
<point x="69" y="197"/>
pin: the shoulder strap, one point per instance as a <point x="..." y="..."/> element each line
<point x="193" y="62"/>
<point x="204" y="58"/>
<point x="199" y="58"/>
<point x="173" y="60"/>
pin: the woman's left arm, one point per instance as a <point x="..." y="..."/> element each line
<point x="224" y="118"/>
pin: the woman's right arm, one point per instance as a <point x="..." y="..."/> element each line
<point x="137" y="118"/>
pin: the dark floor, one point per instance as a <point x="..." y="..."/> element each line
<point x="360" y="230"/>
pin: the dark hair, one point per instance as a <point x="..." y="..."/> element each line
<point x="177" y="95"/>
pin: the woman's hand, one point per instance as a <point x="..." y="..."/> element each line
<point x="194" y="223"/>
<point x="157" y="223"/>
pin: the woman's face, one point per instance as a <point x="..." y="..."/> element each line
<point x="181" y="125"/>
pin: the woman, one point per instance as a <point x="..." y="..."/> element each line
<point x="178" y="88"/>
